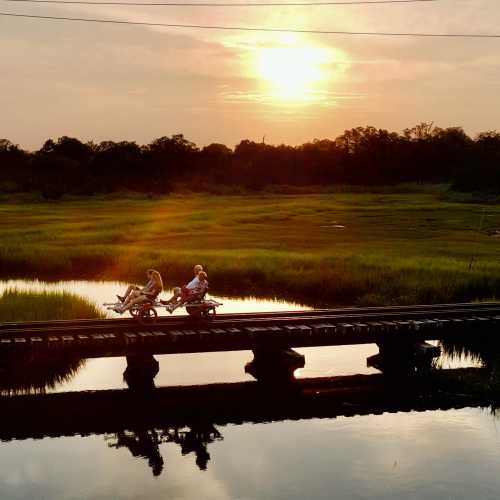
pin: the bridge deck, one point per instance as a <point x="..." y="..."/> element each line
<point x="331" y="327"/>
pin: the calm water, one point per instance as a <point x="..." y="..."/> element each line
<point x="451" y="454"/>
<point x="432" y="455"/>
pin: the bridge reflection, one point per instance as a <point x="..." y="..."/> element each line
<point x="112" y="411"/>
<point x="143" y="419"/>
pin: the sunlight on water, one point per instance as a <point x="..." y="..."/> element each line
<point x="101" y="292"/>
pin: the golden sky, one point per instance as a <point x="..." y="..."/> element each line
<point x="100" y="82"/>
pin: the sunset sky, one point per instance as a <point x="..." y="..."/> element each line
<point x="117" y="82"/>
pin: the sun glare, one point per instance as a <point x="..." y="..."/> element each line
<point x="292" y="71"/>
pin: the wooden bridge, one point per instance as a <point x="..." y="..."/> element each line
<point x="227" y="332"/>
<point x="400" y="332"/>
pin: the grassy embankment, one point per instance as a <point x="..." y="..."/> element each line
<point x="392" y="248"/>
<point x="35" y="374"/>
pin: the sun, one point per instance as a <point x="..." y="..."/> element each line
<point x="292" y="71"/>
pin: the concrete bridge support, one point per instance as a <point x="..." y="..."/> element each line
<point x="403" y="357"/>
<point x="274" y="365"/>
<point x="141" y="371"/>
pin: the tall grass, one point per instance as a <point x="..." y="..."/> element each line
<point x="18" y="305"/>
<point x="35" y="374"/>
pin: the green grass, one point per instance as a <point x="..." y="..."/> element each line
<point x="18" y="305"/>
<point x="403" y="247"/>
<point x="28" y="374"/>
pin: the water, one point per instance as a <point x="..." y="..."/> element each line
<point x="453" y="454"/>
<point x="432" y="455"/>
<point x="100" y="292"/>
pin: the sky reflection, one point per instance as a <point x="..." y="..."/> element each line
<point x="438" y="454"/>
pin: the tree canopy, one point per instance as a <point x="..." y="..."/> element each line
<point x="362" y="155"/>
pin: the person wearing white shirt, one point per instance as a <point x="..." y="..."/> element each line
<point x="192" y="285"/>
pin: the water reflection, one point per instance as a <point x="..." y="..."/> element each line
<point x="343" y="434"/>
<point x="140" y="372"/>
<point x="481" y="347"/>
<point x="30" y="373"/>
<point x="201" y="407"/>
<point x="145" y="443"/>
<point x="419" y="455"/>
<point x="99" y="292"/>
<point x="58" y="372"/>
<point x="153" y="427"/>
<point x="141" y="443"/>
<point x="195" y="440"/>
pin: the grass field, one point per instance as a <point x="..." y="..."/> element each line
<point x="391" y="248"/>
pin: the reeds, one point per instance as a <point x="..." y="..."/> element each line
<point x="24" y="374"/>
<point x="16" y="305"/>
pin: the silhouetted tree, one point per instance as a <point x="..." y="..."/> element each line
<point x="362" y="155"/>
<point x="15" y="173"/>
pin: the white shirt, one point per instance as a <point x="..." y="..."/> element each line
<point x="194" y="283"/>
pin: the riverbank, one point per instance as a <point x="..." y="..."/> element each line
<point x="321" y="249"/>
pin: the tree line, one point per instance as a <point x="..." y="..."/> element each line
<point x="362" y="156"/>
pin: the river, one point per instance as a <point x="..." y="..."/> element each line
<point x="452" y="454"/>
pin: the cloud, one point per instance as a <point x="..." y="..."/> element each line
<point x="100" y="81"/>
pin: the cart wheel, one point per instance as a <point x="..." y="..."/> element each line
<point x="208" y="313"/>
<point x="134" y="312"/>
<point x="193" y="311"/>
<point x="147" y="315"/>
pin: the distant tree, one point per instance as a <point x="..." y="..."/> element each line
<point x="7" y="147"/>
<point x="362" y="155"/>
<point x="119" y="165"/>
<point x="14" y="167"/>
<point x="248" y="158"/>
<point x="483" y="170"/>
<point x="419" y="133"/>
<point x="452" y="150"/>
<point x="369" y="155"/>
<point x="174" y="151"/>
<point x="69" y="147"/>
<point x="215" y="162"/>
<point x="216" y="151"/>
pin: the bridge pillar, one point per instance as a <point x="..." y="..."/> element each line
<point x="403" y="357"/>
<point x="274" y="365"/>
<point x="141" y="371"/>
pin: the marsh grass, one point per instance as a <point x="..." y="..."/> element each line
<point x="393" y="248"/>
<point x="18" y="305"/>
<point x="24" y="374"/>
